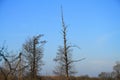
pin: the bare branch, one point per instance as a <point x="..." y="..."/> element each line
<point x="6" y="60"/>
<point x="76" y="60"/>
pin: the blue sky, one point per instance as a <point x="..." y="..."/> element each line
<point x="94" y="25"/>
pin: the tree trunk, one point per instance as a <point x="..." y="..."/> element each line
<point x="34" y="61"/>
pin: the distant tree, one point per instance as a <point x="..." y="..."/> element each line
<point x="64" y="56"/>
<point x="84" y="77"/>
<point x="105" y="76"/>
<point x="33" y="51"/>
<point x="114" y="75"/>
<point x="116" y="68"/>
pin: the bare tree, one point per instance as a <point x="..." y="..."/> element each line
<point x="9" y="69"/>
<point x="117" y="70"/>
<point x="64" y="56"/>
<point x="33" y="49"/>
<point x="106" y="76"/>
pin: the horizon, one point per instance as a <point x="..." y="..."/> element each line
<point x="92" y="25"/>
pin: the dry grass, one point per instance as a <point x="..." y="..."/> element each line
<point x="58" y="78"/>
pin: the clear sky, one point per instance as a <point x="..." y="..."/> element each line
<point x="93" y="25"/>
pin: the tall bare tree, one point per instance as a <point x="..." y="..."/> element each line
<point x="33" y="49"/>
<point x="64" y="55"/>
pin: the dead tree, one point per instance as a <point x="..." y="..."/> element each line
<point x="33" y="50"/>
<point x="11" y="70"/>
<point x="64" y="56"/>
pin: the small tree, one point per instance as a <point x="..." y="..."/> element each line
<point x="10" y="67"/>
<point x="33" y="50"/>
<point x="64" y="56"/>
